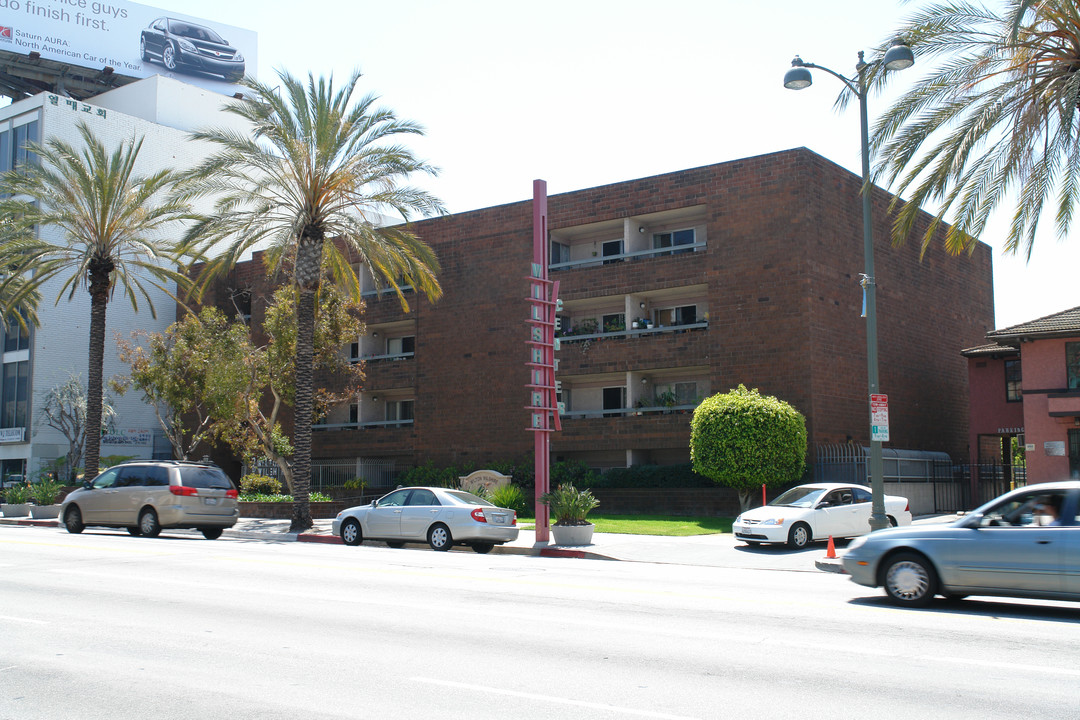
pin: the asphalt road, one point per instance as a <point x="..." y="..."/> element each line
<point x="103" y="625"/>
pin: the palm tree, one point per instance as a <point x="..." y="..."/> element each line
<point x="309" y="180"/>
<point x="107" y="221"/>
<point x="994" y="123"/>
<point x="18" y="296"/>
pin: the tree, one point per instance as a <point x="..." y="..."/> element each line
<point x="186" y="375"/>
<point x="309" y="180"/>
<point x="64" y="408"/>
<point x="995" y="122"/>
<point x="19" y="296"/>
<point x="208" y="380"/>
<point x="744" y="440"/>
<point x="108" y="221"/>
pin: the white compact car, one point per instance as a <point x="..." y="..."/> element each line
<point x="815" y="512"/>
<point x="439" y="516"/>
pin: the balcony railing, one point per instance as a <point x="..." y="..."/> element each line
<point x="361" y="425"/>
<point x="637" y="255"/>
<point x="388" y="356"/>
<point x="628" y="412"/>
<point x="634" y="333"/>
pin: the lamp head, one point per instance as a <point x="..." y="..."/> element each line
<point x="798" y="77"/>
<point x="899" y="56"/>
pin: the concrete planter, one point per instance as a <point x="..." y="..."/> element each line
<point x="44" y="512"/>
<point x="15" y="509"/>
<point x="572" y="535"/>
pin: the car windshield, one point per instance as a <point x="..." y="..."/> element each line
<point x="195" y="32"/>
<point x="803" y="497"/>
<point x="468" y="498"/>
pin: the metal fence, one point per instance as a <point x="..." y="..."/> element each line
<point x="925" y="478"/>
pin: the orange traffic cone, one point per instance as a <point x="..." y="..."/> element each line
<point x="830" y="553"/>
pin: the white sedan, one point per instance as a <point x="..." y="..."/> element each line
<point x="440" y="516"/>
<point x="816" y="512"/>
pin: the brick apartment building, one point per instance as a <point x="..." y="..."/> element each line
<point x="675" y="287"/>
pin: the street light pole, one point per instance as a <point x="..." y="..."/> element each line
<point x="898" y="57"/>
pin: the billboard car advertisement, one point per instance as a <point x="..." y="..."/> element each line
<point x="134" y="40"/>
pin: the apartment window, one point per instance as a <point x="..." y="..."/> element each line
<point x="354" y="413"/>
<point x="674" y="239"/>
<point x="1072" y="364"/>
<point x="401" y="345"/>
<point x="614" y="399"/>
<point x="611" y="248"/>
<point x="1012" y="381"/>
<point x="686" y="393"/>
<point x="615" y="322"/>
<point x="399" y="410"/>
<point x="560" y="253"/>
<point x="15" y="394"/>
<point x="681" y="315"/>
<point x="13" y="151"/>
<point x="242" y="303"/>
<point x="16" y="337"/>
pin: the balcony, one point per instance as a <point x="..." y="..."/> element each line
<point x="630" y="239"/>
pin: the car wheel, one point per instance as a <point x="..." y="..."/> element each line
<point x="351" y="534"/>
<point x="168" y="56"/>
<point x="134" y="531"/>
<point x="892" y="521"/>
<point x="211" y="533"/>
<point x="909" y="580"/>
<point x="483" y="548"/>
<point x="439" y="538"/>
<point x="800" y="536"/>
<point x="148" y="523"/>
<point x="142" y="49"/>
<point x="396" y="544"/>
<point x="73" y="520"/>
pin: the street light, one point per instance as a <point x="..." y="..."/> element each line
<point x="898" y="57"/>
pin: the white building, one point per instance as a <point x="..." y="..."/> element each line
<point x="162" y="111"/>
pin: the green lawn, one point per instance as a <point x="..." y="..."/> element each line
<point x="667" y="525"/>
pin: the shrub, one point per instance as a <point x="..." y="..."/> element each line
<point x="278" y="497"/>
<point x="569" y="505"/>
<point x="259" y="485"/>
<point x="573" y="472"/>
<point x="355" y="484"/>
<point x="744" y="440"/>
<point x="509" y="496"/>
<point x="45" y="491"/>
<point x="17" y="494"/>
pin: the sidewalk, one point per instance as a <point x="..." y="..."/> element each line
<point x="719" y="550"/>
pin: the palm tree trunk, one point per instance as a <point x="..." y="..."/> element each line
<point x="308" y="271"/>
<point x="98" y="300"/>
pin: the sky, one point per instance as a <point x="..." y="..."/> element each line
<point x="592" y="92"/>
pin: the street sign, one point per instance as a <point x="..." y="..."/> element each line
<point x="879" y="418"/>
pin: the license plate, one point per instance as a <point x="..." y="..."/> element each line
<point x="211" y="501"/>
<point x="499" y="518"/>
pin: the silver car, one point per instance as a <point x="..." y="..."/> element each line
<point x="440" y="516"/>
<point x="1025" y="544"/>
<point x="148" y="495"/>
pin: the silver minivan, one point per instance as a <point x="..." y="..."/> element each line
<point x="145" y="496"/>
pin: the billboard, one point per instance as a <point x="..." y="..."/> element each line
<point x="134" y="40"/>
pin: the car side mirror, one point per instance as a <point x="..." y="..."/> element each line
<point x="374" y="503"/>
<point x="88" y="485"/>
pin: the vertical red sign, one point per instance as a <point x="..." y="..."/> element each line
<point x="542" y="387"/>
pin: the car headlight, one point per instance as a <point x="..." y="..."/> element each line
<point x="772" y="521"/>
<point x="238" y="57"/>
<point x="857" y="543"/>
<point x="186" y="45"/>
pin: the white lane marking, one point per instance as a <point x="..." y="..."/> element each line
<point x="551" y="699"/>
<point x="28" y="621"/>
<point x="1004" y="665"/>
